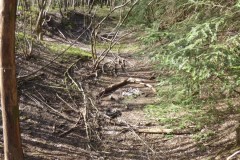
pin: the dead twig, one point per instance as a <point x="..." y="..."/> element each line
<point x="233" y="155"/>
<point x="40" y="102"/>
<point x="22" y="80"/>
<point x="158" y="130"/>
<point x="72" y="128"/>
<point x="74" y="109"/>
<point x="133" y="130"/>
<point x="63" y="35"/>
<point x="80" y="89"/>
<point x="149" y="130"/>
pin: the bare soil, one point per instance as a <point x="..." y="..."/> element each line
<point x="53" y="127"/>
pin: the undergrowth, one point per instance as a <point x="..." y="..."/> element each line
<point x="197" y="42"/>
<point x="178" y="111"/>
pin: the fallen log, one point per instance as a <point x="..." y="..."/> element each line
<point x="113" y="87"/>
<point x="118" y="85"/>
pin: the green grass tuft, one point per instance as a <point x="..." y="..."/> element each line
<point x="178" y="116"/>
<point x="76" y="51"/>
<point x="119" y="48"/>
<point x="178" y="110"/>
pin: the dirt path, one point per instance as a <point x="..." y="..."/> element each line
<point x="157" y="142"/>
<point x="44" y="116"/>
<point x="47" y="111"/>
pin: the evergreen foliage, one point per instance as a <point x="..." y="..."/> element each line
<point x="198" y="40"/>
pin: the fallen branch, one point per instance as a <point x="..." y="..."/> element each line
<point x="21" y="80"/>
<point x="149" y="130"/>
<point x="233" y="155"/>
<point x="72" y="128"/>
<point x="132" y="129"/>
<point x="67" y="104"/>
<point x="118" y="85"/>
<point x="113" y="87"/>
<point x="38" y="102"/>
<point x="157" y="130"/>
<point x="85" y="102"/>
<point x="63" y="35"/>
<point x="140" y="81"/>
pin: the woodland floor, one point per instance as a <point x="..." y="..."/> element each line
<point x="52" y="127"/>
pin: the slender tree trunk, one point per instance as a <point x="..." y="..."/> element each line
<point x="42" y="6"/>
<point x="8" y="87"/>
<point x="73" y="4"/>
<point x="65" y="5"/>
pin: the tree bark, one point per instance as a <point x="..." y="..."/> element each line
<point x="8" y="87"/>
<point x="238" y="135"/>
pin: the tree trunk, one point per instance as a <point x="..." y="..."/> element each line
<point x="41" y="5"/>
<point x="73" y="4"/>
<point x="8" y="87"/>
<point x="65" y="5"/>
<point x="238" y="135"/>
